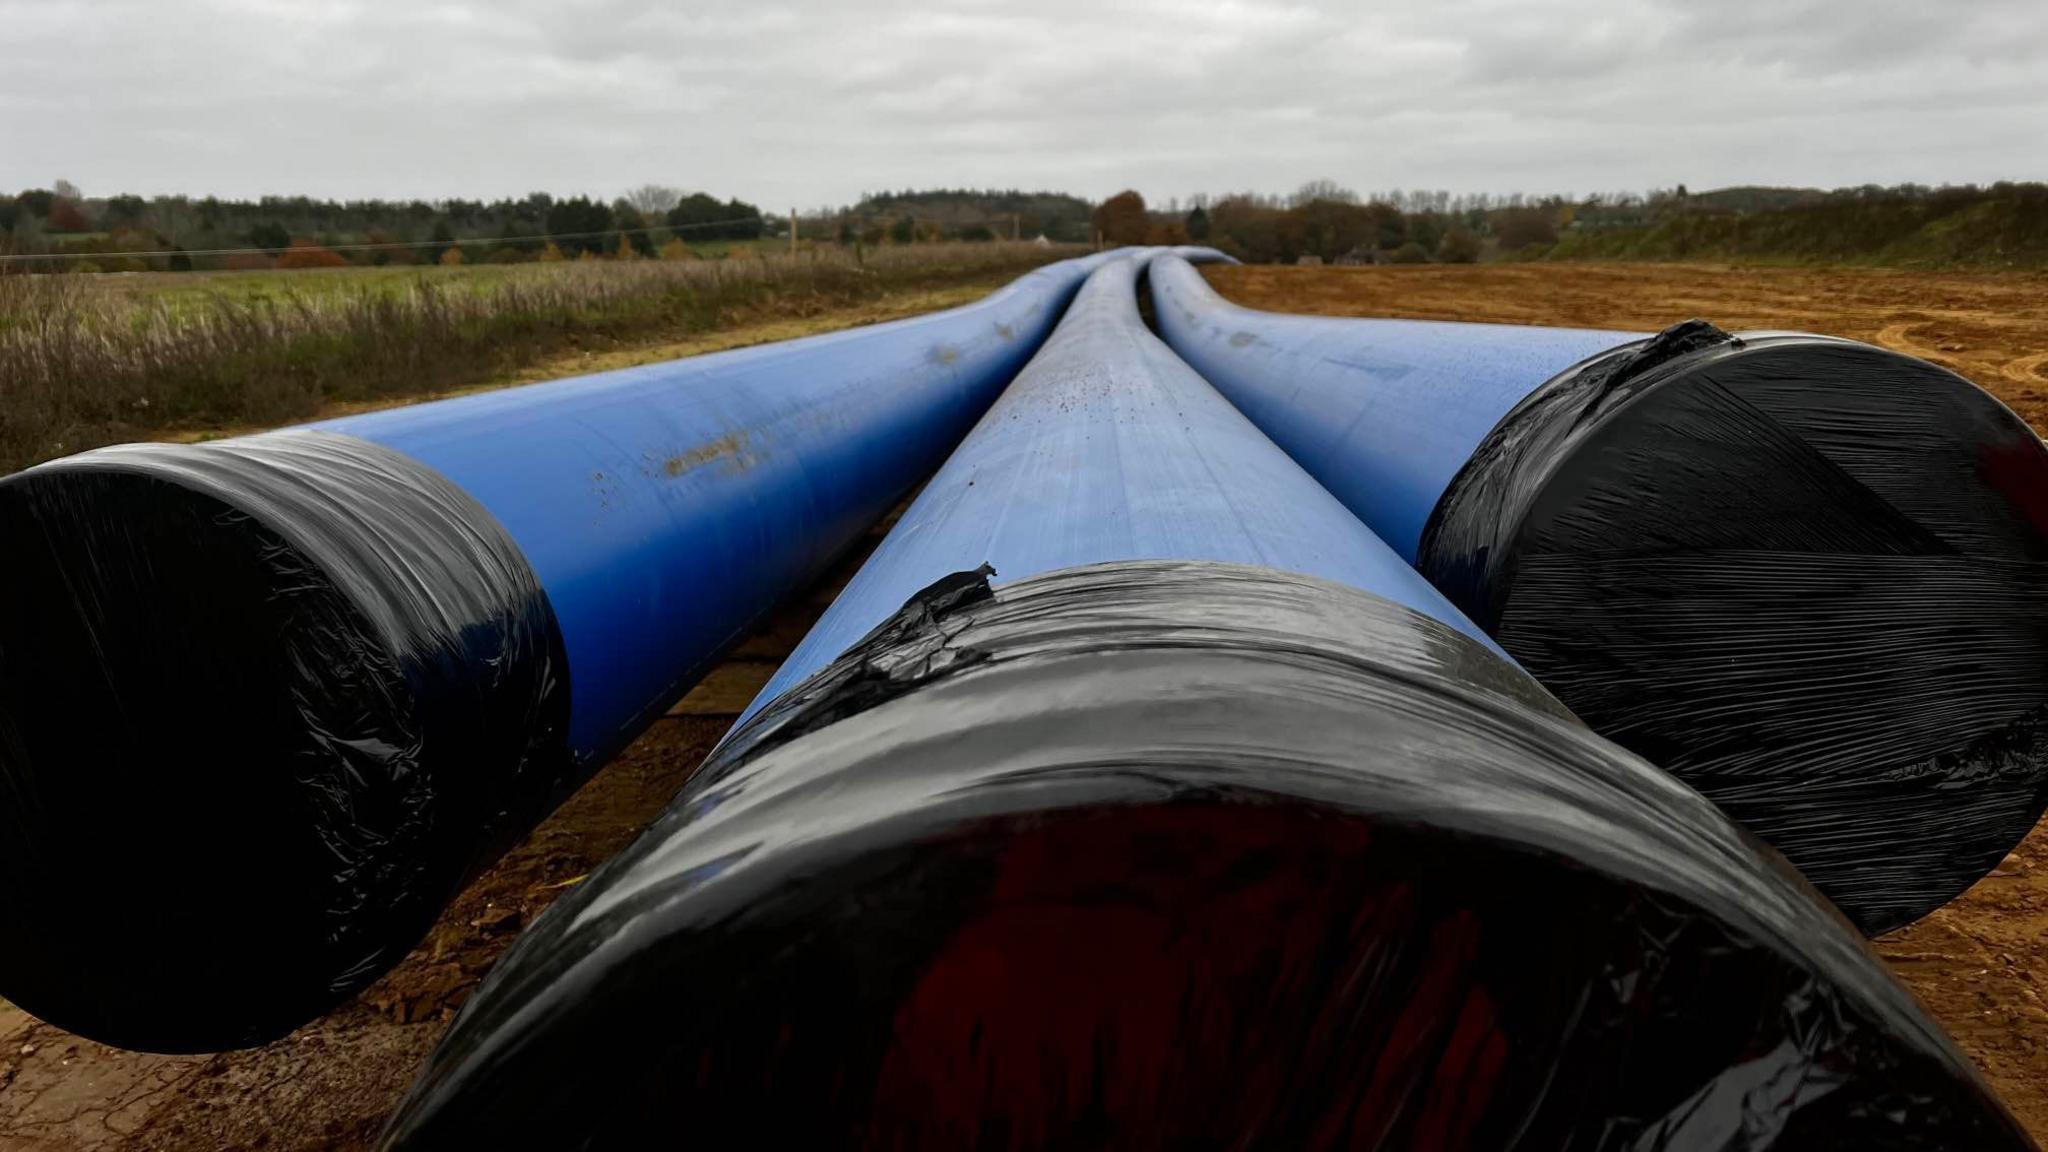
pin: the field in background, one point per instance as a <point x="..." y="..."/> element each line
<point x="1991" y="327"/>
<point x="1975" y="963"/>
<point x="92" y="360"/>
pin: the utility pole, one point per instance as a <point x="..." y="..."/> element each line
<point x="792" y="231"/>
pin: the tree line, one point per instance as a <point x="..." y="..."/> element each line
<point x="1321" y="220"/>
<point x="181" y="232"/>
<point x="2004" y="224"/>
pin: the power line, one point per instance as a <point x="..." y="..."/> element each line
<point x="380" y="246"/>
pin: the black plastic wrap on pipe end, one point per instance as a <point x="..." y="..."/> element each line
<point x="264" y="704"/>
<point x="1176" y="855"/>
<point x="1808" y="576"/>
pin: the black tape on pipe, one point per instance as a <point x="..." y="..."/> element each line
<point x="1171" y="855"/>
<point x="1808" y="576"/>
<point x="267" y="706"/>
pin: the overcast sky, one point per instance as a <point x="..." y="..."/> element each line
<point x="813" y="102"/>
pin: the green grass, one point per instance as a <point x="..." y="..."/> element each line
<point x="87" y="360"/>
<point x="189" y="291"/>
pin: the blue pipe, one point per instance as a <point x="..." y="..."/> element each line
<point x="1383" y="412"/>
<point x="1806" y="575"/>
<point x="395" y="641"/>
<point x="1108" y="447"/>
<point x="665" y="508"/>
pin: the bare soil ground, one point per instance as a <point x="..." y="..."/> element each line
<point x="329" y="1086"/>
<point x="1989" y="326"/>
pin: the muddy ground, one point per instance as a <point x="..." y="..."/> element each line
<point x="329" y="1086"/>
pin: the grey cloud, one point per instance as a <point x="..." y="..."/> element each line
<point x="811" y="102"/>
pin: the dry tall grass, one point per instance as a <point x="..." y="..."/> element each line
<point x="81" y="366"/>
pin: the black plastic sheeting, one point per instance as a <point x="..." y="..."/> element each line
<point x="1188" y="855"/>
<point x="1808" y="576"/>
<point x="271" y="703"/>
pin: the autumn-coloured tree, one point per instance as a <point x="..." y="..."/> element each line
<point x="1121" y="219"/>
<point x="1170" y="233"/>
<point x="551" y="254"/>
<point x="452" y="257"/>
<point x="304" y="253"/>
<point x="67" y="216"/>
<point x="673" y="250"/>
<point x="624" y="251"/>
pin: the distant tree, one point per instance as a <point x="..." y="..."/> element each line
<point x="675" y="250"/>
<point x="1198" y="224"/>
<point x="1426" y="229"/>
<point x="1248" y="229"/>
<point x="701" y="217"/>
<point x="632" y="228"/>
<point x="1170" y="233"/>
<point x="451" y="257"/>
<point x="1459" y="246"/>
<point x="1409" y="253"/>
<point x="68" y="215"/>
<point x="1328" y="190"/>
<point x="443" y="237"/>
<point x="654" y="199"/>
<point x="572" y="222"/>
<point x="977" y="233"/>
<point x="304" y="253"/>
<point x="1520" y="228"/>
<point x="624" y="250"/>
<point x="1329" y="229"/>
<point x="66" y="190"/>
<point x="1389" y="226"/>
<point x="388" y="255"/>
<point x="121" y="210"/>
<point x="550" y="254"/>
<point x="36" y="202"/>
<point x="1121" y="219"/>
<point x="904" y="230"/>
<point x="270" y="236"/>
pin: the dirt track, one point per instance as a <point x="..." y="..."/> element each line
<point x="330" y="1085"/>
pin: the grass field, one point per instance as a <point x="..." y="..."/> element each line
<point x="92" y="360"/>
<point x="1976" y="963"/>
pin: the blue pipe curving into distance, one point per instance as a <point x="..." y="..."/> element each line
<point x="1383" y="412"/>
<point x="309" y="681"/>
<point x="1108" y="447"/>
<point x="1807" y="575"/>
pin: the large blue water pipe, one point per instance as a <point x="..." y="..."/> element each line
<point x="1109" y="448"/>
<point x="1805" y="574"/>
<point x="266" y="703"/>
<point x="1208" y="824"/>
